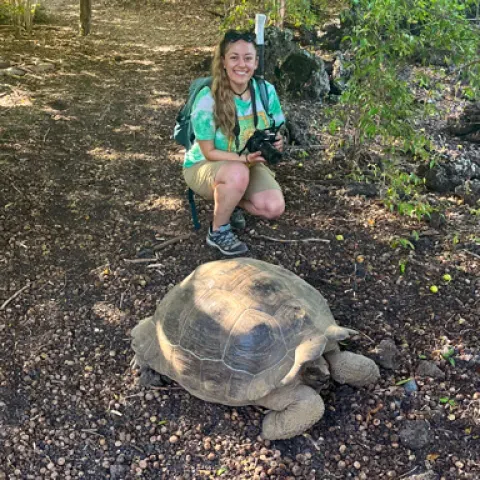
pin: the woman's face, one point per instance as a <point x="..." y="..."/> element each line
<point x="240" y="62"/>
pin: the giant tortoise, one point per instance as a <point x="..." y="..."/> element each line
<point x="243" y="332"/>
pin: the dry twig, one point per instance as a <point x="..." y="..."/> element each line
<point x="299" y="240"/>
<point x="162" y="245"/>
<point x="140" y="260"/>
<point x="471" y="253"/>
<point x="13" y="297"/>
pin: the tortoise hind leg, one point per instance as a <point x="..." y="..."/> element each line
<point x="151" y="378"/>
<point x="294" y="410"/>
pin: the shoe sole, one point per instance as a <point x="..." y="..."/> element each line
<point x="225" y="252"/>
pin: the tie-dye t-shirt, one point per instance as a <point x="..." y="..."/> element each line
<point x="204" y="125"/>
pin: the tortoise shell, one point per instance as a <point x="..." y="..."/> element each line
<point x="228" y="332"/>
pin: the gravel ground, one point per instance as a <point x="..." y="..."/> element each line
<point x="91" y="180"/>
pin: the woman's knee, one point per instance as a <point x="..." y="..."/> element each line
<point x="235" y="176"/>
<point x="274" y="209"/>
<point x="269" y="207"/>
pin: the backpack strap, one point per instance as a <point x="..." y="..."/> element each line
<point x="262" y="87"/>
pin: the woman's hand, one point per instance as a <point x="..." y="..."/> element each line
<point x="253" y="158"/>
<point x="278" y="142"/>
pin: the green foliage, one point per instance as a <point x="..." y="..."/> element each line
<point x="40" y="14"/>
<point x="402" y="242"/>
<point x="402" y="265"/>
<point x="297" y="12"/>
<point x="8" y="12"/>
<point x="386" y="35"/>
<point x="403" y="194"/>
<point x="379" y="105"/>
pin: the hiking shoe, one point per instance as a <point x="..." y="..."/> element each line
<point x="237" y="220"/>
<point x="226" y="241"/>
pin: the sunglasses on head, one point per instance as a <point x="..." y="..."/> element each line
<point x="234" y="36"/>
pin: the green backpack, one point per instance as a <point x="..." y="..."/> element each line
<point x="183" y="131"/>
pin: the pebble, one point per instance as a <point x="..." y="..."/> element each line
<point x="411" y="386"/>
<point x="61" y="461"/>
<point x="388" y="356"/>
<point x="173" y="439"/>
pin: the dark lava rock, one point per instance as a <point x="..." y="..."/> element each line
<point x="446" y="177"/>
<point x="292" y="69"/>
<point x="415" y="435"/>
<point x="429" y="369"/>
<point x="368" y="190"/>
<point x="387" y="355"/>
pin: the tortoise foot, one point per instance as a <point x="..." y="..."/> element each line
<point x="352" y="369"/>
<point x="151" y="378"/>
<point x="294" y="410"/>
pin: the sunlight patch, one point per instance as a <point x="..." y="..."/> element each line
<point x="16" y="99"/>
<point x="154" y="202"/>
<point x="108" y="313"/>
<point x="125" y="128"/>
<point x="113" y="155"/>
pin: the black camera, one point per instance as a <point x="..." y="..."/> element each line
<point x="263" y="140"/>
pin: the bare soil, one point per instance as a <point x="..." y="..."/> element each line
<point x="90" y="179"/>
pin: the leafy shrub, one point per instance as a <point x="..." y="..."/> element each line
<point x="298" y="13"/>
<point x="8" y="11"/>
<point x="5" y="12"/>
<point x="384" y="36"/>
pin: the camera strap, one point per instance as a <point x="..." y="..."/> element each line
<point x="236" y="130"/>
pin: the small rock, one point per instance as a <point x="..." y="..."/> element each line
<point x="44" y="67"/>
<point x="18" y="72"/>
<point x="4" y="63"/>
<point x="297" y="470"/>
<point x="364" y="189"/>
<point x="61" y="461"/>
<point x="117" y="472"/>
<point x="415" y="435"/>
<point x="429" y="369"/>
<point x="411" y="386"/>
<point x="388" y="355"/>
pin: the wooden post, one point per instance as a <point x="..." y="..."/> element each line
<point x="85" y="16"/>
<point x="281" y="20"/>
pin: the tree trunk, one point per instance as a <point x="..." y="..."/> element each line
<point x="28" y="20"/>
<point x="85" y="16"/>
<point x="17" y="20"/>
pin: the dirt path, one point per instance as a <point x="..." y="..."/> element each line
<point x="90" y="179"/>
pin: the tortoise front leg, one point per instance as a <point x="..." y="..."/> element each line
<point x="295" y="408"/>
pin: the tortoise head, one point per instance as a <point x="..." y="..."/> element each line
<point x="316" y="374"/>
<point x="312" y="348"/>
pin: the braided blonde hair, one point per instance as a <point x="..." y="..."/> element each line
<point x="224" y="109"/>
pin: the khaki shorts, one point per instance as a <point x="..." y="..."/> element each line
<point x="201" y="179"/>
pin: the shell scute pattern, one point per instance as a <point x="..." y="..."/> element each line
<point x="229" y="331"/>
<point x="263" y="383"/>
<point x="237" y="385"/>
<point x="209" y="324"/>
<point x="255" y="343"/>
